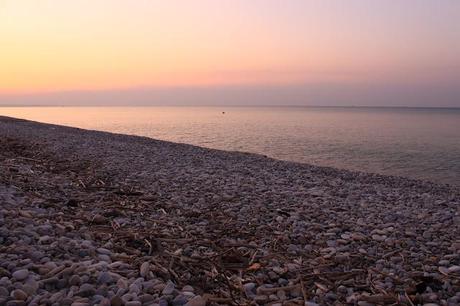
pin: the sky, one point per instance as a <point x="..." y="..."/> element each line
<point x="283" y="52"/>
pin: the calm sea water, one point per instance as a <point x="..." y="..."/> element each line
<point x="411" y="142"/>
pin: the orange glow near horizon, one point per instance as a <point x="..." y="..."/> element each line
<point x="52" y="45"/>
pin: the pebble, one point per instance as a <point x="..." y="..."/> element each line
<point x="116" y="301"/>
<point x="188" y="288"/>
<point x="99" y="219"/>
<point x="104" y="251"/>
<point x="105" y="258"/>
<point x="75" y="280"/>
<point x="4" y="291"/>
<point x="80" y="304"/>
<point x="18" y="294"/>
<point x="179" y="300"/>
<point x="444" y="262"/>
<point x="86" y="290"/>
<point x="169" y="289"/>
<point x="20" y="275"/>
<point x="144" y="269"/>
<point x="16" y="303"/>
<point x="196" y="301"/>
<point x="379" y="238"/>
<point x="260" y="299"/>
<point x="104" y="278"/>
<point x="249" y="289"/>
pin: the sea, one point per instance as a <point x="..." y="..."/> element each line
<point x="420" y="143"/>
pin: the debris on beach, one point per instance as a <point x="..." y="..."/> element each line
<point x="92" y="218"/>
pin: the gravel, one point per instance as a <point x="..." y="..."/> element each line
<point x="93" y="218"/>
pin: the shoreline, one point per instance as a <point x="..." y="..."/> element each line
<point x="163" y="222"/>
<point x="368" y="174"/>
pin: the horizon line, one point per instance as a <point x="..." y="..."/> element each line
<point x="232" y="105"/>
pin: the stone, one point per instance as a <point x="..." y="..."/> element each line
<point x="196" y="301"/>
<point x="86" y="290"/>
<point x="342" y="289"/>
<point x="104" y="278"/>
<point x="260" y="299"/>
<point x="169" y="288"/>
<point x="15" y="303"/>
<point x="188" y="288"/>
<point x="105" y="258"/>
<point x="179" y="300"/>
<point x="20" y="275"/>
<point x="116" y="301"/>
<point x="45" y="239"/>
<point x="104" y="251"/>
<point x="99" y="219"/>
<point x="75" y="280"/>
<point x="145" y="298"/>
<point x="134" y="288"/>
<point x="18" y="294"/>
<point x="30" y="289"/>
<point x="4" y="292"/>
<point x="249" y="289"/>
<point x="104" y="302"/>
<point x="444" y="262"/>
<point x="281" y="294"/>
<point x="379" y="238"/>
<point x="144" y="269"/>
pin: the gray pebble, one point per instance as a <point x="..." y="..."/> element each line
<point x="104" y="278"/>
<point x="169" y="288"/>
<point x="21" y="274"/>
<point x="75" y="280"/>
<point x="144" y="269"/>
<point x="86" y="290"/>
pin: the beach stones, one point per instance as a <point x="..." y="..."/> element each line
<point x="236" y="228"/>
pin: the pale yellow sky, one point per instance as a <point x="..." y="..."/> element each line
<point x="60" y="45"/>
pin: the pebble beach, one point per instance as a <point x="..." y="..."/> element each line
<point x="95" y="218"/>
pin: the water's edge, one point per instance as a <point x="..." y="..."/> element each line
<point x="237" y="154"/>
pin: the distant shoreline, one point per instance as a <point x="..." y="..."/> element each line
<point x="233" y="106"/>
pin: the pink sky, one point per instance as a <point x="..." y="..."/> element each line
<point x="50" y="46"/>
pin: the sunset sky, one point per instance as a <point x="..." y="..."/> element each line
<point x="354" y="52"/>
